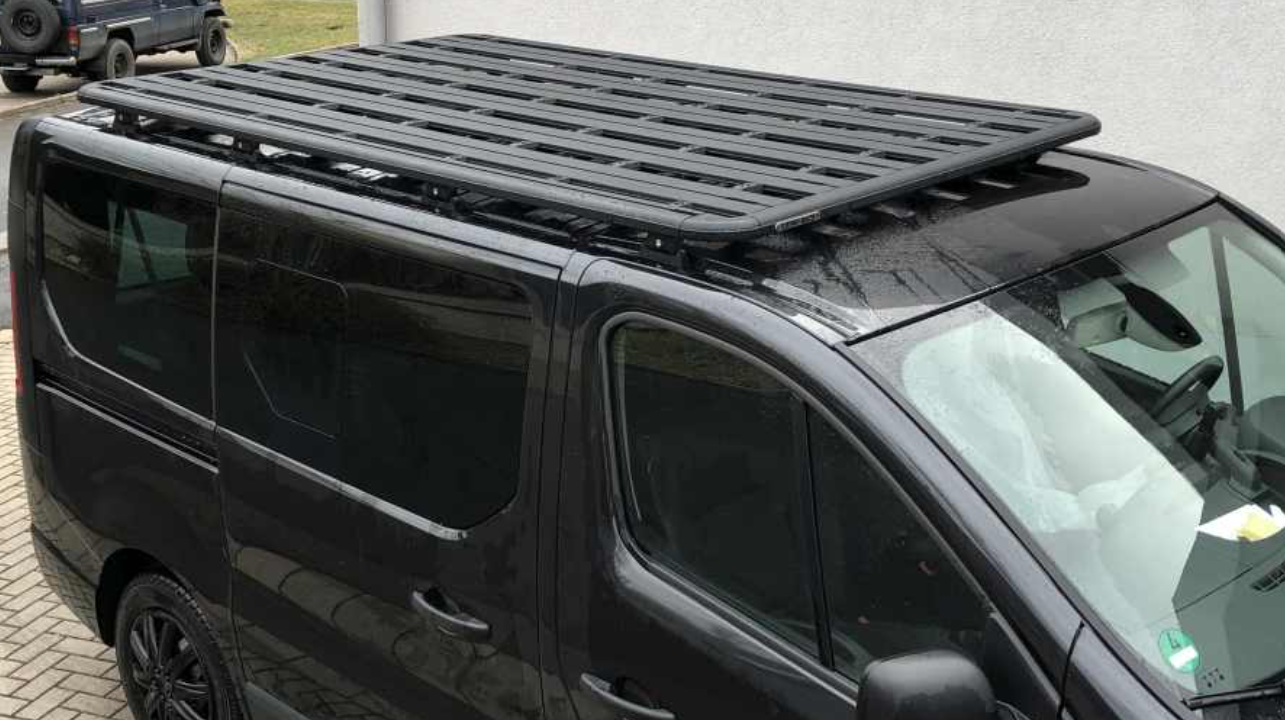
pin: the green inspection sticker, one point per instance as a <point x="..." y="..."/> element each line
<point x="1177" y="648"/>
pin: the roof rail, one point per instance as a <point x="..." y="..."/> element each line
<point x="680" y="150"/>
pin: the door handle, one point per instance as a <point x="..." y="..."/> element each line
<point x="447" y="617"/>
<point x="603" y="692"/>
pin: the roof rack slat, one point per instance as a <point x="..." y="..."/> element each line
<point x="631" y="87"/>
<point x="693" y="103"/>
<point x="687" y="158"/>
<point x="443" y="143"/>
<point x="777" y="77"/>
<point x="590" y="108"/>
<point x="566" y="129"/>
<point x="742" y="83"/>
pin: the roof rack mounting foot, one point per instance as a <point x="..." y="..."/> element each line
<point x="442" y="199"/>
<point x="245" y="150"/>
<point x="667" y="251"/>
<point x="127" y="123"/>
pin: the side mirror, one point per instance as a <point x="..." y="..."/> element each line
<point x="933" y="685"/>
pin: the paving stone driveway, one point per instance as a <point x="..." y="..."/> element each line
<point x="51" y="668"/>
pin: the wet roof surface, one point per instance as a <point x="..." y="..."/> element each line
<point x="887" y="267"/>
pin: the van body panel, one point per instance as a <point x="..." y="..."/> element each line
<point x="118" y="474"/>
<point x="324" y="563"/>
<point x="617" y="616"/>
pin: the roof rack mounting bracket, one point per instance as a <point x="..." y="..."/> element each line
<point x="668" y="251"/>
<point x="442" y="199"/>
<point x="127" y="123"/>
<point x="246" y="150"/>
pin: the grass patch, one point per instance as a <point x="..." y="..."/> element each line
<point x="268" y="28"/>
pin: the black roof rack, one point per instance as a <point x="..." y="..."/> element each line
<point x="683" y="150"/>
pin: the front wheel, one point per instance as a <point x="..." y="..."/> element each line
<point x="168" y="656"/>
<point x="213" y="48"/>
<point x="21" y="83"/>
<point x="117" y="61"/>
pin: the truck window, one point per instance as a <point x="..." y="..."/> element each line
<point x="129" y="268"/>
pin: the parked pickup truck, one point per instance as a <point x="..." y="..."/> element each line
<point x="102" y="38"/>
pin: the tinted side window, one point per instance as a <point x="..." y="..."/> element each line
<point x="293" y="350"/>
<point x="890" y="588"/>
<point x="437" y="366"/>
<point x="713" y="472"/>
<point x="402" y="379"/>
<point x="281" y="324"/>
<point x="129" y="269"/>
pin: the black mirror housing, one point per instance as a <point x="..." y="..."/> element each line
<point x="933" y="685"/>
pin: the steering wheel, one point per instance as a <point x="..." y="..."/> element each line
<point x="1206" y="373"/>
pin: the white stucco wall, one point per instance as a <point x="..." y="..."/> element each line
<point x="1196" y="86"/>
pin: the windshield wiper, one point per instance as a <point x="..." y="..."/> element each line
<point x="1236" y="697"/>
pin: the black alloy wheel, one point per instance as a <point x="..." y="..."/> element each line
<point x="170" y="660"/>
<point x="165" y="668"/>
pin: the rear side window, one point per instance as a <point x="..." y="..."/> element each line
<point x="129" y="268"/>
<point x="710" y="445"/>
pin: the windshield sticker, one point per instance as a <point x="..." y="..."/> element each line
<point x="1179" y="651"/>
<point x="1250" y="523"/>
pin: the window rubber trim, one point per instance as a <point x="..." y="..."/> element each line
<point x="811" y="525"/>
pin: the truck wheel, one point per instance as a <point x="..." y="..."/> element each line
<point x="168" y="657"/>
<point x="21" y="83"/>
<point x="117" y="61"/>
<point x="213" y="48"/>
<point x="30" y="26"/>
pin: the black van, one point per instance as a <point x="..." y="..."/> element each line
<point x="483" y="378"/>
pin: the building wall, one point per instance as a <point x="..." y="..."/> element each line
<point x="1195" y="86"/>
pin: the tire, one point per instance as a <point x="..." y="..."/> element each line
<point x="116" y="62"/>
<point x="158" y="619"/>
<point x="29" y="26"/>
<point x="21" y="83"/>
<point x="213" y="48"/>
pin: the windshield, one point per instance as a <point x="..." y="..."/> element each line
<point x="1129" y="411"/>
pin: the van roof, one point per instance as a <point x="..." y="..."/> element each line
<point x="871" y="271"/>
<point x="679" y="150"/>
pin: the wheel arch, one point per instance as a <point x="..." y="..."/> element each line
<point x="125" y="34"/>
<point x="120" y="568"/>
